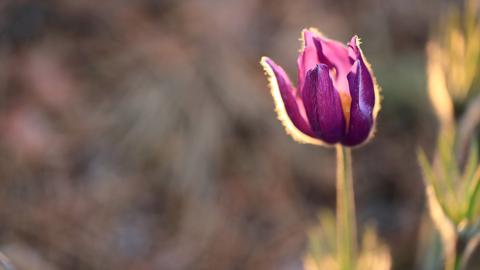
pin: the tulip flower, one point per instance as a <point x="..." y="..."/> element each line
<point x="336" y="99"/>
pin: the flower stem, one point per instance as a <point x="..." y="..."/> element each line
<point x="346" y="224"/>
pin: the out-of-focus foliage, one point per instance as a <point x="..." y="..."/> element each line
<point x="452" y="182"/>
<point x="456" y="53"/>
<point x="374" y="254"/>
<point x="322" y="246"/>
<point x="457" y="191"/>
<point x="453" y="197"/>
<point x="322" y="249"/>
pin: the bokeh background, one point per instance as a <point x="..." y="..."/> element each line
<point x="141" y="134"/>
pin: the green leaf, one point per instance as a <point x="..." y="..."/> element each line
<point x="445" y="227"/>
<point x="448" y="162"/>
<point x="471" y="165"/>
<point x="474" y="197"/>
<point x="428" y="175"/>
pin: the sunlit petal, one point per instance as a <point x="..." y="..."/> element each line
<point x="287" y="104"/>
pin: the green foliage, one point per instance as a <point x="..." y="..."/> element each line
<point x="460" y="42"/>
<point x="457" y="193"/>
<point x="453" y="195"/>
<point x="322" y="249"/>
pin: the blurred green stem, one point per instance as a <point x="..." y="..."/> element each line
<point x="346" y="224"/>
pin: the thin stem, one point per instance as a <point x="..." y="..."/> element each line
<point x="457" y="261"/>
<point x="346" y="224"/>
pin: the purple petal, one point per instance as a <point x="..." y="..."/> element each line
<point x="362" y="93"/>
<point x="321" y="50"/>
<point x="293" y="104"/>
<point x="308" y="57"/>
<point x="323" y="105"/>
<point x="336" y="53"/>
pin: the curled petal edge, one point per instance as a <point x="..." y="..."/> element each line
<point x="282" y="115"/>
<point x="376" y="89"/>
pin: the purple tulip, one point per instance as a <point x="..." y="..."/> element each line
<point x="336" y="99"/>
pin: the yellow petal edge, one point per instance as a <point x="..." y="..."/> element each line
<point x="282" y="115"/>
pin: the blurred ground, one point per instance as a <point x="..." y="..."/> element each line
<point x="141" y="134"/>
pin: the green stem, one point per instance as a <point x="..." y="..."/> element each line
<point x="346" y="224"/>
<point x="457" y="261"/>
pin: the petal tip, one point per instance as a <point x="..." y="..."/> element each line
<point x="355" y="39"/>
<point x="354" y="47"/>
<point x="315" y="31"/>
<point x="307" y="37"/>
<point x="309" y="34"/>
<point x="265" y="60"/>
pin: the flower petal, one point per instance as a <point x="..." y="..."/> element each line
<point x="320" y="50"/>
<point x="354" y="49"/>
<point x="362" y="92"/>
<point x="308" y="57"/>
<point x="289" y="107"/>
<point x="337" y="54"/>
<point x="323" y="105"/>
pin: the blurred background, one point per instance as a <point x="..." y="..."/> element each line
<point x="141" y="134"/>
